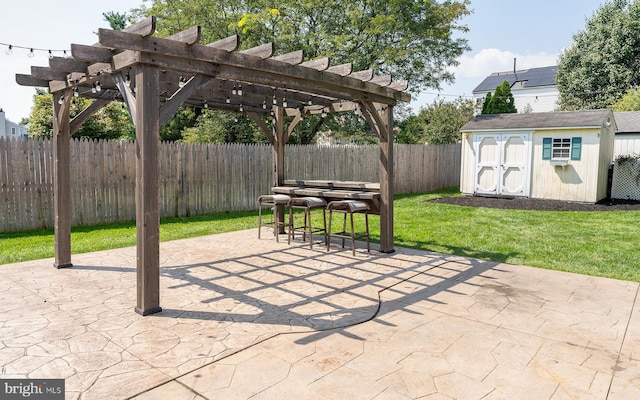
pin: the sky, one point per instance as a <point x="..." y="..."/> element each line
<point x="534" y="32"/>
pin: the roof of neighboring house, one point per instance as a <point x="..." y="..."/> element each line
<point x="558" y="119"/>
<point x="532" y="77"/>
<point x="627" y="122"/>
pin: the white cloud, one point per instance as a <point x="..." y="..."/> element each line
<point x="490" y="60"/>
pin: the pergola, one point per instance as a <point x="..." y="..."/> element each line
<point x="154" y="76"/>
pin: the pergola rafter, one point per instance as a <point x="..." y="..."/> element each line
<point x="154" y="76"/>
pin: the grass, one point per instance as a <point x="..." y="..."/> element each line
<point x="593" y="243"/>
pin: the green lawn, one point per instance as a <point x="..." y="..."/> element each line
<point x="593" y="243"/>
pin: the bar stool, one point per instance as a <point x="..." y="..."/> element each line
<point x="277" y="202"/>
<point x="349" y="207"/>
<point x="307" y="204"/>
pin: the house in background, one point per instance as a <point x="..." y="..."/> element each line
<point x="628" y="133"/>
<point x="554" y="155"/>
<point x="11" y="130"/>
<point x="534" y="89"/>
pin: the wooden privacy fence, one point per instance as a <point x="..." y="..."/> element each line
<point x="195" y="179"/>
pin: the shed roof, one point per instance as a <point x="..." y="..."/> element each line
<point x="627" y="122"/>
<point x="562" y="119"/>
<point x="532" y="77"/>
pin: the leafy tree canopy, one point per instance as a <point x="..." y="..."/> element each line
<point x="630" y="101"/>
<point x="501" y="102"/>
<point x="438" y="123"/>
<point x="604" y="60"/>
<point x="411" y="39"/>
<point x="110" y="122"/>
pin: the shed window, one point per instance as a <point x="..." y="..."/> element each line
<point x="561" y="148"/>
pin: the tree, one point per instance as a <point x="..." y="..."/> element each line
<point x="414" y="40"/>
<point x="214" y="126"/>
<point x="117" y="21"/>
<point x="501" y="102"/>
<point x="110" y="122"/>
<point x="630" y="101"/>
<point x="438" y="123"/>
<point x="604" y="60"/>
<point x="485" y="104"/>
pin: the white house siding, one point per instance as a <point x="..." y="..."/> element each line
<point x="580" y="180"/>
<point x="11" y="130"/>
<point x="627" y="144"/>
<point x="541" y="99"/>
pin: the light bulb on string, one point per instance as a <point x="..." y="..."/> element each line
<point x="61" y="100"/>
<point x="241" y="108"/>
<point x="50" y="54"/>
<point x="9" y="50"/>
<point x="31" y="53"/>
<point x="227" y="100"/>
<point x="205" y="104"/>
<point x="235" y="90"/>
<point x="240" y="89"/>
<point x="98" y="86"/>
<point x="75" y="92"/>
<point x="93" y="88"/>
<point x="284" y="102"/>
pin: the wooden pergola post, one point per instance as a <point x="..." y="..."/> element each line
<point x="147" y="121"/>
<point x="62" y="179"/>
<point x="386" y="183"/>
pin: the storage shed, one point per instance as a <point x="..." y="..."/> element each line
<point x="553" y="155"/>
<point x="627" y="140"/>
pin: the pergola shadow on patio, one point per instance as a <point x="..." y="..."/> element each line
<point x="154" y="76"/>
<point x="286" y="321"/>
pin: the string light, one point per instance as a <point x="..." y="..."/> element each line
<point x="61" y="100"/>
<point x="31" y="50"/>
<point x="182" y="81"/>
<point x="240" y="89"/>
<point x="205" y="104"/>
<point x="98" y="86"/>
<point x="75" y="92"/>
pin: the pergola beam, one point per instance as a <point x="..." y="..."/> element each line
<point x="358" y="89"/>
<point x="171" y="106"/>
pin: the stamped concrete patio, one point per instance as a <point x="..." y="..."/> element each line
<point x="247" y="318"/>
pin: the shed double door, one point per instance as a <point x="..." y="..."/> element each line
<point x="503" y="164"/>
